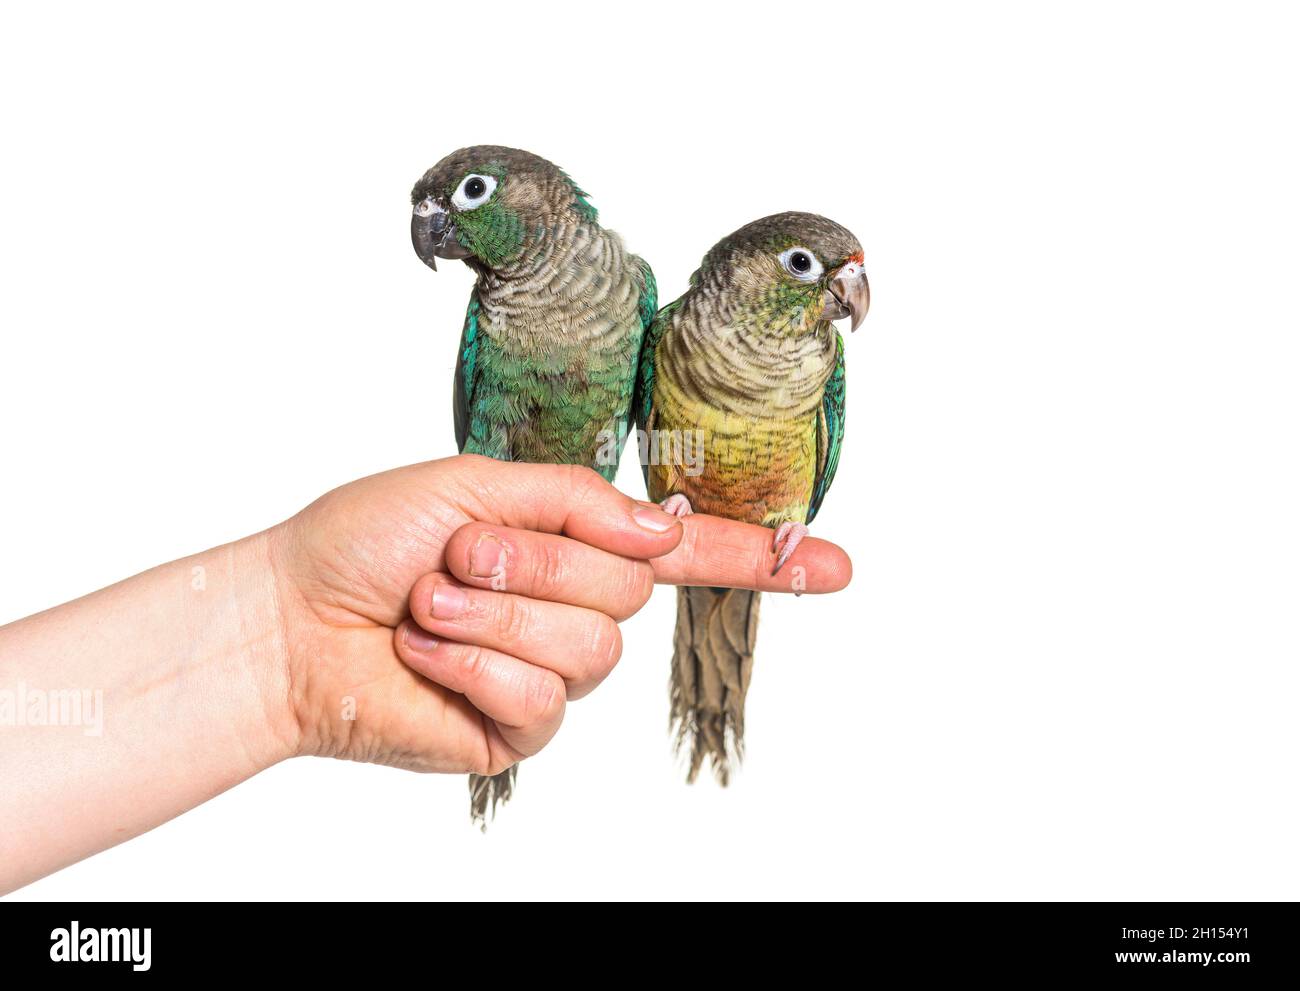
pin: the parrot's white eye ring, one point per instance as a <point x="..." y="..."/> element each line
<point x="802" y="264"/>
<point x="474" y="190"/>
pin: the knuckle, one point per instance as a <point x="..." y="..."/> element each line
<point x="583" y="480"/>
<point x="543" y="699"/>
<point x="606" y="646"/>
<point x="514" y="620"/>
<point x="695" y="554"/>
<point x="637" y="584"/>
<point x="551" y="570"/>
<point x="690" y="545"/>
<point x="761" y="559"/>
<point x="471" y="663"/>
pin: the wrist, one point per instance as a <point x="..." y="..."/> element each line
<point x="262" y="634"/>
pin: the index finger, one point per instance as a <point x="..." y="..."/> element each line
<point x="727" y="554"/>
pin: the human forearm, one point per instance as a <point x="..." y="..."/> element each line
<point x="177" y="684"/>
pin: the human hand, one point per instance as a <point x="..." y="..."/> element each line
<point x="438" y="617"/>
<point x="300" y="640"/>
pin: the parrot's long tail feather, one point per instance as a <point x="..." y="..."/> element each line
<point x="713" y="657"/>
<point x="486" y="793"/>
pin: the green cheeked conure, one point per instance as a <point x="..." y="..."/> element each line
<point x="546" y="365"/>
<point x="748" y="364"/>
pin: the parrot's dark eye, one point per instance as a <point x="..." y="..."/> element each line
<point x="474" y="190"/>
<point x="802" y="264"/>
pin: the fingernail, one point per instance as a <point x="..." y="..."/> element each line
<point x="449" y="601"/>
<point x="418" y="640"/>
<point x="487" y="557"/>
<point x="654" y="520"/>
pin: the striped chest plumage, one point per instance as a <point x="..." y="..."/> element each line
<point x="558" y="340"/>
<point x="751" y="407"/>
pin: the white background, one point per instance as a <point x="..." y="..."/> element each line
<point x="1067" y="665"/>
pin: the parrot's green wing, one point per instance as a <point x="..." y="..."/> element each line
<point x="645" y="374"/>
<point x="466" y="364"/>
<point x="643" y="400"/>
<point x="830" y="431"/>
<point x="644" y="387"/>
<point x="647" y="304"/>
<point x="648" y="301"/>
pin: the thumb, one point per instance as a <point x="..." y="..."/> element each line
<point x="567" y="499"/>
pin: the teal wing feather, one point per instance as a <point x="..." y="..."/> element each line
<point x="830" y="431"/>
<point x="647" y="303"/>
<point x="643" y="401"/>
<point x="643" y="390"/>
<point x="466" y="366"/>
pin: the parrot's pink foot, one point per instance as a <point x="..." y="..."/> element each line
<point x="788" y="536"/>
<point x="677" y="504"/>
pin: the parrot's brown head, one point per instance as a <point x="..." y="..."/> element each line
<point x="788" y="270"/>
<point x="487" y="205"/>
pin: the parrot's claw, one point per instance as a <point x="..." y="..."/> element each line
<point x="678" y="505"/>
<point x="788" y="536"/>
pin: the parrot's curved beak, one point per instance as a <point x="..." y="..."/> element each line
<point x="848" y="295"/>
<point x="433" y="234"/>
